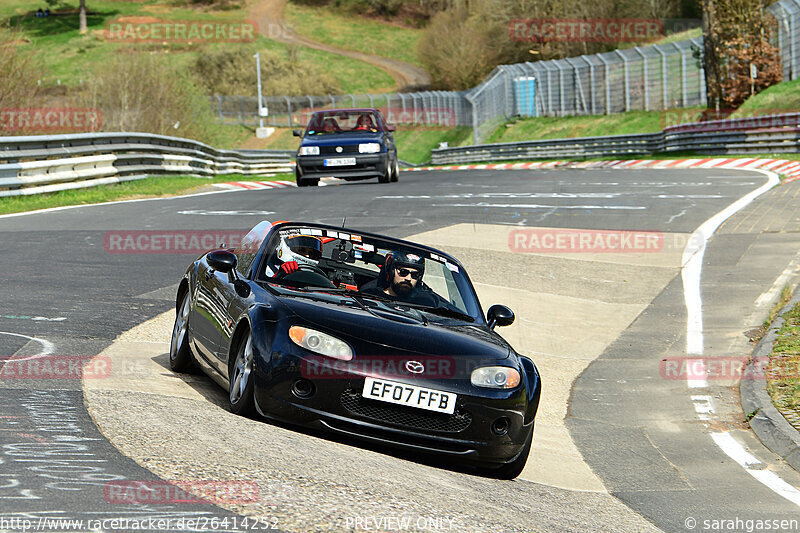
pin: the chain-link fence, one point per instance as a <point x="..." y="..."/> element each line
<point x="429" y="108"/>
<point x="787" y="12"/>
<point x="646" y="78"/>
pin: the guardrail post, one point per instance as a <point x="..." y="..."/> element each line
<point x="289" y="109"/>
<point x="371" y="101"/>
<point x="333" y="102"/>
<point x="310" y="103"/>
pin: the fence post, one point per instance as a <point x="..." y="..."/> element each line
<point x="333" y="102"/>
<point x="579" y="96"/>
<point x="372" y="102"/>
<point x="403" y="103"/>
<point x="560" y="88"/>
<point x="219" y="106"/>
<point x="591" y="85"/>
<point x="608" y="85"/>
<point x="475" y="139"/>
<point x="683" y="74"/>
<point x="627" y="80"/>
<point x="289" y="109"/>
<point x="644" y="79"/>
<point x="310" y="103"/>
<point x="663" y="75"/>
<point x="792" y="40"/>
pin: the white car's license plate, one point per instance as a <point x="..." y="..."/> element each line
<point x="410" y="395"/>
<point x="340" y="162"/>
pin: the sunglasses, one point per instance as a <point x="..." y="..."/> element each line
<point x="403" y="272"/>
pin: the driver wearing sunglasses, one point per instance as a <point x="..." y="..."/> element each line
<point x="400" y="277"/>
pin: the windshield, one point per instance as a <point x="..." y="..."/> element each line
<point x="370" y="269"/>
<point x="342" y="121"/>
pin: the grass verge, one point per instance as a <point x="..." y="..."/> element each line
<point x="783" y="374"/>
<point x="535" y="128"/>
<point x="151" y="187"/>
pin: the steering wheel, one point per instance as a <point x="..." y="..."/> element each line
<point x="311" y="268"/>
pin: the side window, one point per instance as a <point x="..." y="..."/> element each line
<point x="248" y="249"/>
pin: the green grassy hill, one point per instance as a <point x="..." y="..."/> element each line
<point x="70" y="58"/>
<point x="328" y="25"/>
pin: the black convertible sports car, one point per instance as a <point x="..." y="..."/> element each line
<point x="362" y="335"/>
<point x="351" y="144"/>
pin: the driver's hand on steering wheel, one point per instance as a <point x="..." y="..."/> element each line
<point x="289" y="267"/>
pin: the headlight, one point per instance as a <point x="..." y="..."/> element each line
<point x="322" y="343"/>
<point x="369" y="148"/>
<point x="309" y="150"/>
<point x="495" y="377"/>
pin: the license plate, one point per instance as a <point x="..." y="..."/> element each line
<point x="410" y="395"/>
<point x="339" y="162"/>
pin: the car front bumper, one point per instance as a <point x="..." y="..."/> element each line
<point x="337" y="405"/>
<point x="367" y="166"/>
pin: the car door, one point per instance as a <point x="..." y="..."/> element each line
<point x="210" y="313"/>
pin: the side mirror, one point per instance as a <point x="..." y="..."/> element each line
<point x="221" y="260"/>
<point x="297" y="133"/>
<point x="391" y="127"/>
<point x="499" y="315"/>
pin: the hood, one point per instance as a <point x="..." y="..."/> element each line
<point x="384" y="331"/>
<point x="340" y="139"/>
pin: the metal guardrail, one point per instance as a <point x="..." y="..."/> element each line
<point x="749" y="135"/>
<point x="49" y="163"/>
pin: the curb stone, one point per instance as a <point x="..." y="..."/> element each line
<point x="774" y="431"/>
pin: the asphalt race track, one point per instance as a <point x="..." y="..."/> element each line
<point x="623" y="441"/>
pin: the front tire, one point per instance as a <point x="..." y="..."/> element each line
<point x="386" y="177"/>
<point x="396" y="170"/>
<point x="180" y="356"/>
<point x="240" y="390"/>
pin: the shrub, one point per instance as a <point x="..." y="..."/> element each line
<point x="19" y="71"/>
<point x="233" y="72"/>
<point x="140" y="92"/>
